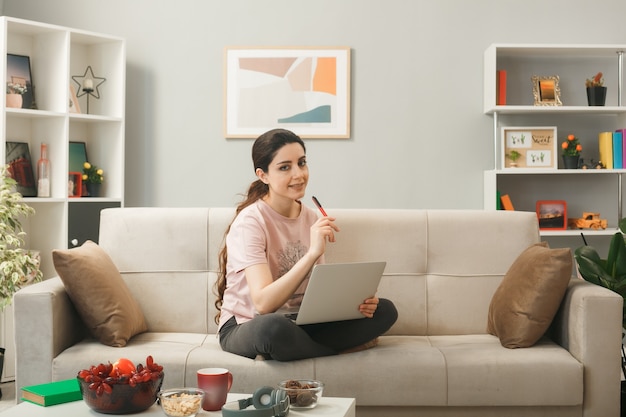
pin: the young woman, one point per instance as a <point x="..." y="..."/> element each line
<point x="269" y="251"/>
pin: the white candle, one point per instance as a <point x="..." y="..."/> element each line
<point x="88" y="84"/>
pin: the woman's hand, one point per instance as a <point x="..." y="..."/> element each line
<point x="369" y="306"/>
<point x="323" y="230"/>
<point x="268" y="294"/>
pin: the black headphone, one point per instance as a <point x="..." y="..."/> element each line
<point x="267" y="402"/>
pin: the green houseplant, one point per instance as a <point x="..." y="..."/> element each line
<point x="513" y="156"/>
<point x="92" y="179"/>
<point x="92" y="174"/>
<point x="571" y="152"/>
<point x="610" y="272"/>
<point x="17" y="266"/>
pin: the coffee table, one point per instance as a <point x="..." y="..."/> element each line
<point x="328" y="407"/>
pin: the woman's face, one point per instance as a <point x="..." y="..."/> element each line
<point x="287" y="175"/>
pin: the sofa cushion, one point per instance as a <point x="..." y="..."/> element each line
<point x="481" y="372"/>
<point x="99" y="294"/>
<point x="400" y="371"/>
<point x="168" y="349"/>
<point x="529" y="295"/>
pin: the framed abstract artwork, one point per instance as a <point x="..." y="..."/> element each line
<point x="302" y="89"/>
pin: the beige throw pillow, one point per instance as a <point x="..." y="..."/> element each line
<point x="529" y="295"/>
<point x="99" y="294"/>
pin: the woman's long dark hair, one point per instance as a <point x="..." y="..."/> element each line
<point x="263" y="152"/>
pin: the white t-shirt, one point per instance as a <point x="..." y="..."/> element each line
<point x="260" y="235"/>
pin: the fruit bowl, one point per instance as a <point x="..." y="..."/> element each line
<point x="109" y="390"/>
<point x="181" y="402"/>
<point x="123" y="398"/>
<point x="303" y="393"/>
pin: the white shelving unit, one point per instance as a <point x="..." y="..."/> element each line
<point x="56" y="54"/>
<point x="583" y="190"/>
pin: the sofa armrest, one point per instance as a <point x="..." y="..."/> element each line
<point x="589" y="326"/>
<point x="46" y="323"/>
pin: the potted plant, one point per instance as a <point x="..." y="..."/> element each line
<point x="609" y="273"/>
<point x="513" y="156"/>
<point x="596" y="91"/>
<point x="14" y="94"/>
<point x="18" y="266"/>
<point x="571" y="152"/>
<point x="92" y="179"/>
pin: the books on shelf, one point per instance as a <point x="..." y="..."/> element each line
<point x="605" y="143"/>
<point x="52" y="393"/>
<point x="623" y="133"/>
<point x="507" y="204"/>
<point x="500" y="87"/>
<point x="612" y="149"/>
<point x="618" y="147"/>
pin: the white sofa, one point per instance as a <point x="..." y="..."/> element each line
<point x="443" y="266"/>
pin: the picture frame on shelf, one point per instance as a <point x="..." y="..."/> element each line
<point x="552" y="214"/>
<point x="21" y="168"/>
<point x="74" y="106"/>
<point x="74" y="184"/>
<point x="546" y="90"/>
<point x="77" y="158"/>
<point x="529" y="147"/>
<point x="19" y="75"/>
<point x="303" y="89"/>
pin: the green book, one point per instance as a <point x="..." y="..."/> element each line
<point x="52" y="393"/>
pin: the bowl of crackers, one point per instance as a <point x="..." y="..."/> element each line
<point x="181" y="402"/>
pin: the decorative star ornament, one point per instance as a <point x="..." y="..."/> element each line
<point x="88" y="83"/>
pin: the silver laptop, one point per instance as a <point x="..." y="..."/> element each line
<point x="335" y="292"/>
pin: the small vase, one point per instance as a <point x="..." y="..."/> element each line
<point x="570" y="161"/>
<point x="14" y="101"/>
<point x="93" y="190"/>
<point x="596" y="96"/>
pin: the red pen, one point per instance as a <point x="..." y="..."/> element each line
<point x="319" y="206"/>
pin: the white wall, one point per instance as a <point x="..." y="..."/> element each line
<point x="419" y="137"/>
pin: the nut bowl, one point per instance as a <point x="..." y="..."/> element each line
<point x="302" y="393"/>
<point x="181" y="402"/>
<point x="123" y="398"/>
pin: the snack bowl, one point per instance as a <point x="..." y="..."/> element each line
<point x="181" y="402"/>
<point x="302" y="393"/>
<point x="122" y="398"/>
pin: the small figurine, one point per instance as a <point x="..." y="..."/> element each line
<point x="592" y="164"/>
